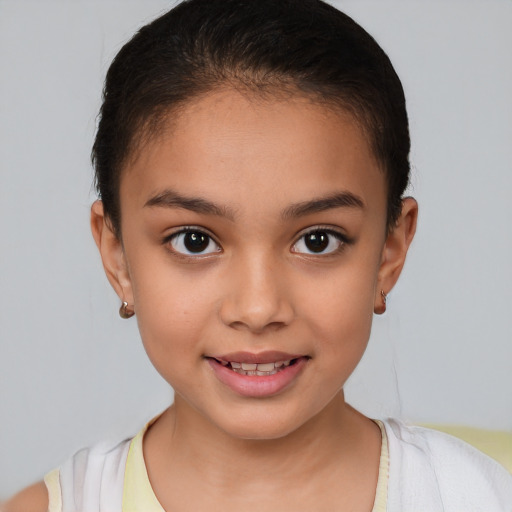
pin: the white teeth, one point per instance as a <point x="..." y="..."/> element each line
<point x="265" y="367"/>
<point x="224" y="363"/>
<point x="259" y="369"/>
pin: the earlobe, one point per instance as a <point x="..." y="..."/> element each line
<point x="112" y="253"/>
<point x="394" y="252"/>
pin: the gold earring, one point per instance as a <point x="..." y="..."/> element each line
<point x="381" y="308"/>
<point x="126" y="312"/>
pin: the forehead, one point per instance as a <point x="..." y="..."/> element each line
<point x="235" y="146"/>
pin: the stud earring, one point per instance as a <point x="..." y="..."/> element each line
<point x="125" y="311"/>
<point x="381" y="308"/>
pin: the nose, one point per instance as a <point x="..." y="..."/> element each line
<point x="256" y="297"/>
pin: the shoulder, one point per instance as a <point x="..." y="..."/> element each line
<point x="31" y="499"/>
<point x="454" y="474"/>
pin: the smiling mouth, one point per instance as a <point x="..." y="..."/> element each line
<point x="257" y="369"/>
<point x="258" y="375"/>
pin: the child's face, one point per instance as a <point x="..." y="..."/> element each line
<point x="254" y="231"/>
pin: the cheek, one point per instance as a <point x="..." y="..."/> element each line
<point x="173" y="314"/>
<point x="345" y="324"/>
<point x="340" y="311"/>
<point x="344" y="333"/>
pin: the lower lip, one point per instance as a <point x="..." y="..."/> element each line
<point x="258" y="386"/>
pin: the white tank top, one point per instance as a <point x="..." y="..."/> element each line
<point x="91" y="481"/>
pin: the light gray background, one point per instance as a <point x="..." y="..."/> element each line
<point x="72" y="372"/>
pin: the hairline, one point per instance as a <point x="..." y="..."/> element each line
<point x="163" y="118"/>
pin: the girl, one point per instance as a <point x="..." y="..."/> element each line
<point x="251" y="161"/>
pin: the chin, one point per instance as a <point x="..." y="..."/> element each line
<point x="261" y="424"/>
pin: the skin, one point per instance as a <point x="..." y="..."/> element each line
<point x="257" y="288"/>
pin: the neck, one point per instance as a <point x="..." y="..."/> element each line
<point x="332" y="439"/>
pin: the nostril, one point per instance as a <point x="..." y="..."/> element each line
<point x="258" y="328"/>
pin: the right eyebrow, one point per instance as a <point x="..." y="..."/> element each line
<point x="171" y="199"/>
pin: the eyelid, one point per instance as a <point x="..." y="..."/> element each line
<point x="328" y="228"/>
<point x="185" y="229"/>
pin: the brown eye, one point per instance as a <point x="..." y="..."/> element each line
<point x="193" y="242"/>
<point x="196" y="242"/>
<point x="316" y="241"/>
<point x="319" y="242"/>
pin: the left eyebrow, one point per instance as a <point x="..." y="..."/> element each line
<point x="337" y="200"/>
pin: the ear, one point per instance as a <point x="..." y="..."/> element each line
<point x="394" y="252"/>
<point x="112" y="253"/>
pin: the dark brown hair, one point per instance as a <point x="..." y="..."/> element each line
<point x="268" y="46"/>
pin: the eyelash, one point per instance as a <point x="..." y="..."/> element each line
<point x="341" y="238"/>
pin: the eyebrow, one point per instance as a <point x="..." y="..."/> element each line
<point x="171" y="199"/>
<point x="337" y="200"/>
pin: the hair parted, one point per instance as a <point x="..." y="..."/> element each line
<point x="267" y="46"/>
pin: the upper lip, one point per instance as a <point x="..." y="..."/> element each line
<point x="269" y="356"/>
